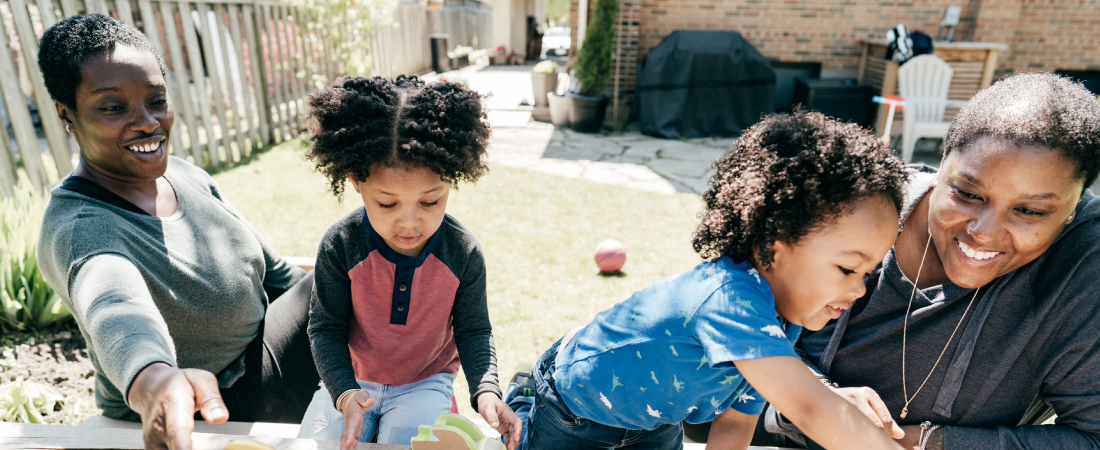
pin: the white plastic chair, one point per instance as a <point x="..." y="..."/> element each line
<point x="923" y="82"/>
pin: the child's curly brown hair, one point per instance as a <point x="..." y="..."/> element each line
<point x="788" y="176"/>
<point x="359" y="122"/>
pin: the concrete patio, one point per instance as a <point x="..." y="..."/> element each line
<point x="628" y="158"/>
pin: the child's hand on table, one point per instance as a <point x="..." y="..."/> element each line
<point x="500" y="417"/>
<point x="354" y="406"/>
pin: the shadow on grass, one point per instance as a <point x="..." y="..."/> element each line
<point x="619" y="274"/>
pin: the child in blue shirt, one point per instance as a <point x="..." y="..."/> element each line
<point x="796" y="216"/>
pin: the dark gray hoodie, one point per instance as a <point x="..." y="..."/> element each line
<point x="1028" y="348"/>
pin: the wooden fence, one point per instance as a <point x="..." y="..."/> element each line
<point x="238" y="72"/>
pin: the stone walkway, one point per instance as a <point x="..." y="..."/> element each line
<point x="627" y="159"/>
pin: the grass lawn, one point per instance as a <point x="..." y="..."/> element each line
<point x="538" y="232"/>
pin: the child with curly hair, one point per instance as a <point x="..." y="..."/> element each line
<point x="400" y="296"/>
<point x="797" y="214"/>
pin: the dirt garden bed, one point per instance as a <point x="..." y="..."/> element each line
<point x="60" y="361"/>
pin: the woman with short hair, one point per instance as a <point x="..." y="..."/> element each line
<point x="981" y="322"/>
<point x="185" y="307"/>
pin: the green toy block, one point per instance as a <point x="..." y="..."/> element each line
<point x="453" y="432"/>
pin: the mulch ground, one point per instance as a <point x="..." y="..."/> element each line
<point x="60" y="361"/>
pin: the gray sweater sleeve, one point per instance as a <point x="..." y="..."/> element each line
<point x="473" y="332"/>
<point x="115" y="310"/>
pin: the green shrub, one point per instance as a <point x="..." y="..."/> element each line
<point x="546" y="67"/>
<point x="595" y="61"/>
<point x="27" y="303"/>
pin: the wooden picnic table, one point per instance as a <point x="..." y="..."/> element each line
<point x="17" y="436"/>
<point x="104" y="435"/>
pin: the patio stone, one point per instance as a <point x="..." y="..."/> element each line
<point x="697" y="185"/>
<point x="669" y="167"/>
<point x="605" y="175"/>
<point x="571" y="169"/>
<point x="573" y="153"/>
<point x="638" y="172"/>
<point x="693" y="153"/>
<point x="661" y="186"/>
<point x="623" y="159"/>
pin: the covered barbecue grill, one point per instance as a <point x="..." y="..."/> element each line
<point x="700" y="83"/>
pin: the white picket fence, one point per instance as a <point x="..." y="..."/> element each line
<point x="238" y="71"/>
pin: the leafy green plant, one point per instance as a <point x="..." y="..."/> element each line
<point x="595" y="61"/>
<point x="345" y="26"/>
<point x="26" y="401"/>
<point x="547" y="67"/>
<point x="27" y="303"/>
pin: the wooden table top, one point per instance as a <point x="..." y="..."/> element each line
<point x="32" y="436"/>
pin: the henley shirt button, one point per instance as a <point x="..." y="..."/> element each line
<point x="400" y="308"/>
<point x="402" y="288"/>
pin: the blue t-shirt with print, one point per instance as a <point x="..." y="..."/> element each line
<point x="666" y="354"/>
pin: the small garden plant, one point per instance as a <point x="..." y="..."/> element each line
<point x="595" y="61"/>
<point x="27" y="303"/>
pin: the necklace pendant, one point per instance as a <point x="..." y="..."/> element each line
<point x="904" y="412"/>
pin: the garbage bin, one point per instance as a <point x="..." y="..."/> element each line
<point x="440" y="61"/>
<point x="840" y="98"/>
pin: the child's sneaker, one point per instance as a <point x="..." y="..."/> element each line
<point x="522" y="383"/>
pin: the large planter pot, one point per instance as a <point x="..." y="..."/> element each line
<point x="586" y="113"/>
<point x="542" y="84"/>
<point x="559" y="110"/>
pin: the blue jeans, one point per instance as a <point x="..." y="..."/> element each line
<point x="397" y="412"/>
<point x="548" y="423"/>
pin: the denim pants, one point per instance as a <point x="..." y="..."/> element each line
<point x="548" y="423"/>
<point x="397" y="412"/>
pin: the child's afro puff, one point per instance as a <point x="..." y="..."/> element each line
<point x="788" y="176"/>
<point x="359" y="122"/>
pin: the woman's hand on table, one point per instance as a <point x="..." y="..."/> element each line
<point x="353" y="406"/>
<point x="499" y="416"/>
<point x="869" y="403"/>
<point x="167" y="399"/>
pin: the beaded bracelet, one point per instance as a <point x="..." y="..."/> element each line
<point x="926" y="429"/>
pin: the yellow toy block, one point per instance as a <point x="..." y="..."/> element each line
<point x="453" y="432"/>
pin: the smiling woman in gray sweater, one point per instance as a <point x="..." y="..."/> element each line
<point x="184" y="306"/>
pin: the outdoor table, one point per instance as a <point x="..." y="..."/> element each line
<point x="31" y="436"/>
<point x="973" y="63"/>
<point x="117" y="435"/>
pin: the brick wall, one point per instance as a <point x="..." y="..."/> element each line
<point x="1041" y="34"/>
<point x="1055" y="34"/>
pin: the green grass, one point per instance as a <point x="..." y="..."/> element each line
<point x="537" y="231"/>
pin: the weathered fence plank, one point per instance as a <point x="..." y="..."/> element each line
<point x="238" y="81"/>
<point x="217" y="97"/>
<point x="185" y="97"/>
<point x="228" y="61"/>
<point x="198" y="81"/>
<point x="124" y="12"/>
<point x="149" y="23"/>
<point x="256" y="72"/>
<point x="51" y="125"/>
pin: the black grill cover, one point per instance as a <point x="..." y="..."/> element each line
<point x="700" y="83"/>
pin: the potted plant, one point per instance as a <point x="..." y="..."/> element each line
<point x="593" y="69"/>
<point x="544" y="79"/>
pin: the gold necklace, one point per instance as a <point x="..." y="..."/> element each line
<point x="904" y="332"/>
